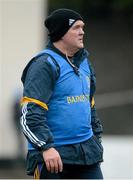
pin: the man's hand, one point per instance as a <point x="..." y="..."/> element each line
<point x="53" y="160"/>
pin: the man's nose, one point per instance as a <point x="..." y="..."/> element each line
<point x="81" y="31"/>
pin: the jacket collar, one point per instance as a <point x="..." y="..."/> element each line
<point x="78" y="57"/>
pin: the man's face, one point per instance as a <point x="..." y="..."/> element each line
<point x="74" y="37"/>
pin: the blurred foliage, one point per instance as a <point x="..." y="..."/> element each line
<point x="89" y="7"/>
<point x="114" y="4"/>
<point x="122" y="4"/>
<point x="95" y="8"/>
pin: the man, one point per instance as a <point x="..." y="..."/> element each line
<point x="58" y="115"/>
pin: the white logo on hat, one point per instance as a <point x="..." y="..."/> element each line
<point x="71" y="21"/>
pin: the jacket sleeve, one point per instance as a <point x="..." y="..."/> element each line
<point x="95" y="121"/>
<point x="38" y="79"/>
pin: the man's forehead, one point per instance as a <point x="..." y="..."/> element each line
<point x="78" y="23"/>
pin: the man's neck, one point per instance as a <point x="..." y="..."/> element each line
<point x="69" y="52"/>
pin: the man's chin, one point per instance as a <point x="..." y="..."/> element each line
<point x="81" y="46"/>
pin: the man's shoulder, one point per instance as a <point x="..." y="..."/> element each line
<point x="34" y="63"/>
<point x="41" y="62"/>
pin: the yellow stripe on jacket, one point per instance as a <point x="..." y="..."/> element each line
<point x="92" y="102"/>
<point x="27" y="99"/>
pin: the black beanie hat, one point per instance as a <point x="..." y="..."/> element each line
<point x="59" y="22"/>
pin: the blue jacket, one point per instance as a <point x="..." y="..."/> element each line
<point x="41" y="79"/>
